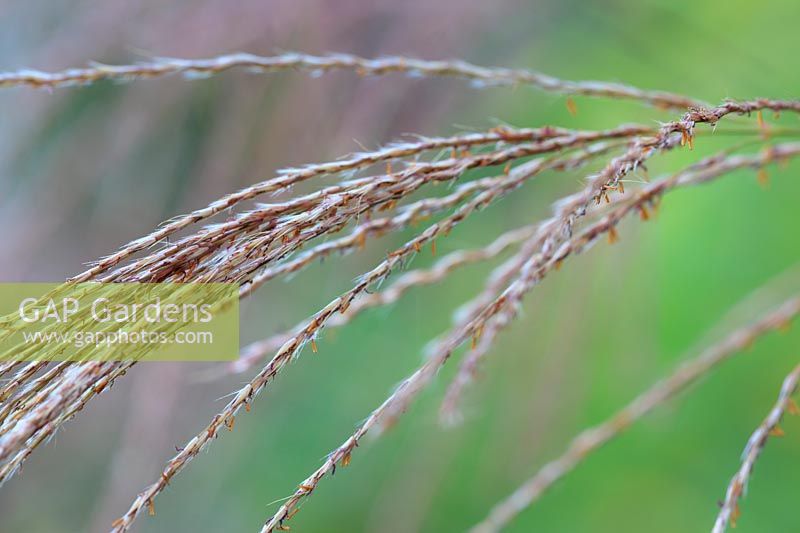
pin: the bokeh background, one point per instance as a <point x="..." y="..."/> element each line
<point x="84" y="170"/>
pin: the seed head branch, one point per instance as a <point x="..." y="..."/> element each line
<point x="729" y="512"/>
<point x="480" y="76"/>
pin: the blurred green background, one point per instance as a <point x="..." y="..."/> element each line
<point x="85" y="170"/>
